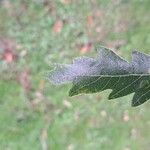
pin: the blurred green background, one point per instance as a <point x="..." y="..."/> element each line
<point x="36" y="115"/>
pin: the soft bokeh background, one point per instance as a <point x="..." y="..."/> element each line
<point x="36" y="115"/>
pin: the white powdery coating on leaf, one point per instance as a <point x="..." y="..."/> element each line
<point x="107" y="63"/>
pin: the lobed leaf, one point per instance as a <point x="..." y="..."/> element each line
<point x="107" y="71"/>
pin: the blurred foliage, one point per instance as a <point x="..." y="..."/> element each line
<point x="37" y="115"/>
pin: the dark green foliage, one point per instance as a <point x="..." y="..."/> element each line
<point x="108" y="71"/>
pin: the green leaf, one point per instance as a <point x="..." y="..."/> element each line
<point x="107" y="71"/>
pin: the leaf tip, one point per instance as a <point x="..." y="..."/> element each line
<point x="111" y="96"/>
<point x="135" y="104"/>
<point x="71" y="93"/>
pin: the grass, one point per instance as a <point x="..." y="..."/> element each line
<point x="44" y="117"/>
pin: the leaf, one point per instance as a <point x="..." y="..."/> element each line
<point x="57" y="27"/>
<point x="85" y="48"/>
<point x="90" y="20"/>
<point x="7" y="48"/>
<point x="107" y="71"/>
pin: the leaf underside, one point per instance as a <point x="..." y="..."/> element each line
<point x="107" y="71"/>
